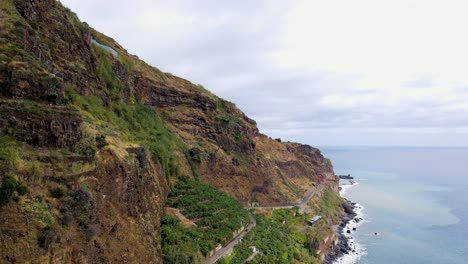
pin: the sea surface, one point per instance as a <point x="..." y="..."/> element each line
<point x="414" y="203"/>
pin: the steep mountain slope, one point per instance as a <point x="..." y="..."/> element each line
<point x="98" y="140"/>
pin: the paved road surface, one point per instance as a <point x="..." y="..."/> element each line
<point x="111" y="50"/>
<point x="272" y="207"/>
<point x="307" y="196"/>
<point x="229" y="247"/>
<point x="302" y="205"/>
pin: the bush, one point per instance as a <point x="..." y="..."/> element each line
<point x="9" y="187"/>
<point x="9" y="157"/>
<point x="195" y="155"/>
<point x="58" y="192"/>
<point x="21" y="189"/>
<point x="85" y="147"/>
<point x="101" y="141"/>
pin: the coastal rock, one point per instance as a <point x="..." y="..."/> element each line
<point x="343" y="246"/>
<point x="346" y="177"/>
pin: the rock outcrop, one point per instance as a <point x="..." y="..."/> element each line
<point x="75" y="122"/>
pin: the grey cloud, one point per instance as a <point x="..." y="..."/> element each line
<point x="233" y="60"/>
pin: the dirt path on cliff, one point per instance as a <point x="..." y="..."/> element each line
<point x="229" y="247"/>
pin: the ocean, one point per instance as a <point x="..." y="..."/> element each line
<point x="413" y="201"/>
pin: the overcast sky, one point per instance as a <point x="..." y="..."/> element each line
<point x="360" y="72"/>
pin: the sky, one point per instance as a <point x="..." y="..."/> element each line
<point x="325" y="73"/>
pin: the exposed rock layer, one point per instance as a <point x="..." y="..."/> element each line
<point x="115" y="195"/>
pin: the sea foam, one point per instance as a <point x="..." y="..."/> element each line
<point x="359" y="250"/>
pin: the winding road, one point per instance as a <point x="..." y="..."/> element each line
<point x="229" y="247"/>
<point x="109" y="49"/>
<point x="307" y="196"/>
<point x="302" y="205"/>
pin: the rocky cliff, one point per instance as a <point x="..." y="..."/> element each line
<point x="97" y="140"/>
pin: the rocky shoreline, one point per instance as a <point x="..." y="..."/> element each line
<point x="342" y="247"/>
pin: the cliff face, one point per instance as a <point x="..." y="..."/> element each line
<point x="98" y="140"/>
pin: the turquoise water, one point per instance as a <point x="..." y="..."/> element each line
<point x="416" y="199"/>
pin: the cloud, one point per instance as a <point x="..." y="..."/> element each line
<point x="323" y="72"/>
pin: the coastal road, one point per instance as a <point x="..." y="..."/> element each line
<point x="307" y="196"/>
<point x="229" y="247"/>
<point x="302" y="205"/>
<point x="111" y="50"/>
<point x="271" y="207"/>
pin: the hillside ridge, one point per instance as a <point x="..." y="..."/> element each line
<point x="100" y="139"/>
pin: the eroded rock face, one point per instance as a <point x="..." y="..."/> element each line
<point x="107" y="217"/>
<point x="50" y="48"/>
<point x="108" y="209"/>
<point x="40" y="125"/>
<point x="115" y="197"/>
<point x="276" y="174"/>
<point x="161" y="94"/>
<point x="197" y="113"/>
<point x="323" y="169"/>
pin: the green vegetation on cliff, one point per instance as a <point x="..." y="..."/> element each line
<point x="92" y="144"/>
<point x="216" y="215"/>
<point x="275" y="243"/>
<point x="132" y="123"/>
<point x="329" y="204"/>
<point x="9" y="188"/>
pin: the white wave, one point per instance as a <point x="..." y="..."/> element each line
<point x="345" y="187"/>
<point x="359" y="250"/>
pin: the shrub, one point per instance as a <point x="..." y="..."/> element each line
<point x="9" y="187"/>
<point x="39" y="198"/>
<point x="21" y="189"/>
<point x="101" y="141"/>
<point x="58" y="192"/>
<point x="85" y="147"/>
<point x="195" y="155"/>
<point x="9" y="157"/>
